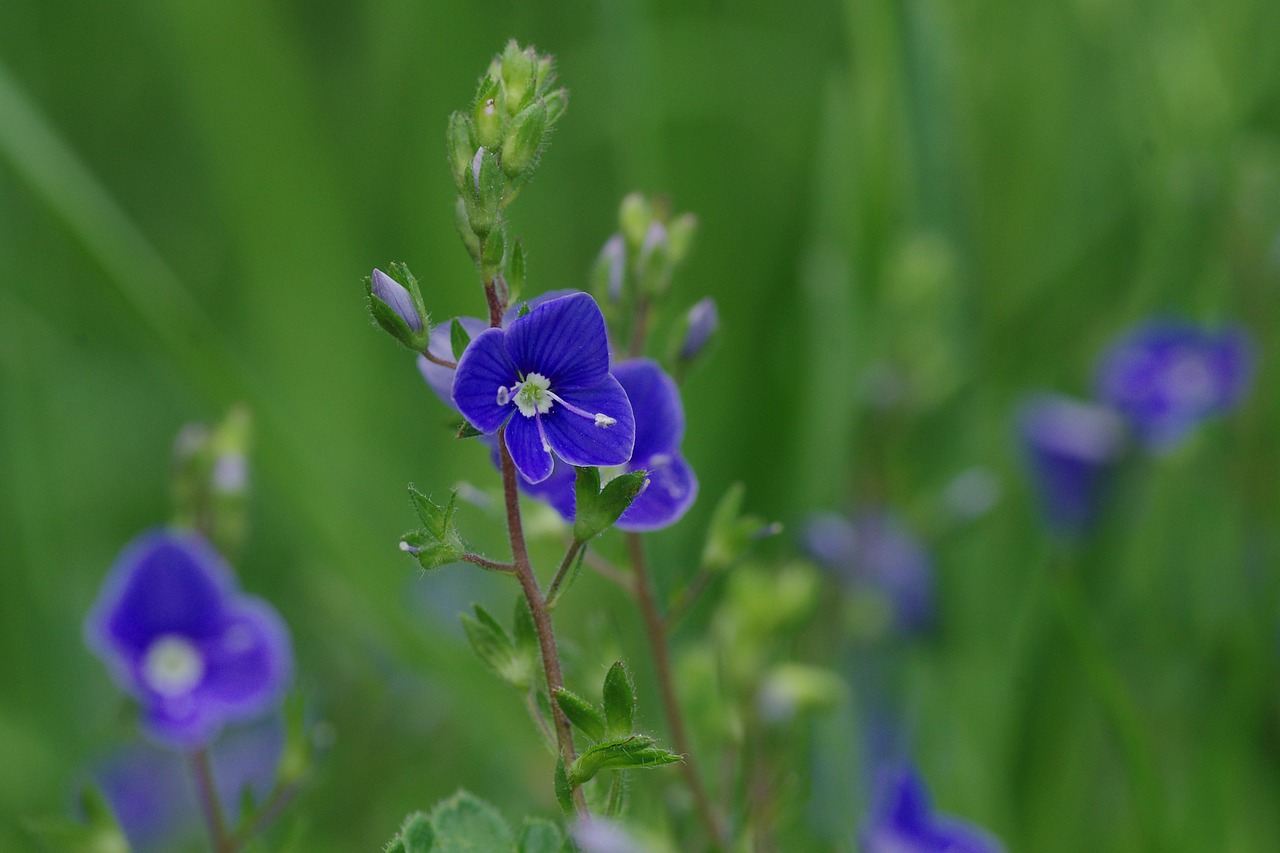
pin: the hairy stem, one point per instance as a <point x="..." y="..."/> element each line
<point x="435" y="359"/>
<point x="656" y="631"/>
<point x="538" y="607"/>
<point x="210" y="805"/>
<point x="491" y="565"/>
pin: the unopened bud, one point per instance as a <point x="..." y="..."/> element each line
<point x="557" y="102"/>
<point x="484" y="196"/>
<point x="520" y="151"/>
<point x="463" y="224"/>
<point x="701" y="323"/>
<point x="634" y="216"/>
<point x="680" y="233"/>
<point x="519" y="68"/>
<point x="611" y="269"/>
<point x="391" y="302"/>
<point x="487" y="114"/>
<point x="462" y="148"/>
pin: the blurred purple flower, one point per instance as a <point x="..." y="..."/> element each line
<point x="875" y="550"/>
<point x="177" y="634"/>
<point x="1166" y="376"/>
<point x="546" y="379"/>
<point x="150" y="792"/>
<point x="1072" y="448"/>
<point x="392" y="293"/>
<point x="902" y="820"/>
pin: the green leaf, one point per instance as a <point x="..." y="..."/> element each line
<point x="564" y="790"/>
<point x="438" y="542"/>
<point x="526" y="633"/>
<point x="540" y="836"/>
<point x="524" y="310"/>
<point x="464" y="823"/>
<point x="516" y="272"/>
<point x="458" y="338"/>
<point x="98" y="834"/>
<point x="628" y="753"/>
<point x="581" y="713"/>
<point x="619" y="701"/>
<point x="416" y="835"/>
<point x="491" y="643"/>
<point x="466" y="430"/>
<point x="598" y="509"/>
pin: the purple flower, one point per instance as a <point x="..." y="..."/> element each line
<point x="1072" y="448"/>
<point x="150" y="791"/>
<point x="902" y="820"/>
<point x="177" y="634"/>
<point x="1166" y="376"/>
<point x="546" y="379"/>
<point x="875" y="550"/>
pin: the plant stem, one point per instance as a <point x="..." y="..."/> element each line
<point x="435" y="359"/>
<point x="537" y="607"/>
<point x="654" y="628"/>
<point x="210" y="806"/>
<point x="496" y="308"/>
<point x="608" y="570"/>
<point x="563" y="571"/>
<point x="491" y="565"/>
<point x="272" y="806"/>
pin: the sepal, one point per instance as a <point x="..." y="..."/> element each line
<point x="437" y="542"/>
<point x="629" y="753"/>
<point x="495" y="648"/>
<point x="597" y="509"/>
<point x="619" y="701"/>
<point x="581" y="713"/>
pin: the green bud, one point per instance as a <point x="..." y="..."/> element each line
<point x="487" y="113"/>
<point x="546" y="71"/>
<point x="462" y="148"/>
<point x="484" y="192"/>
<point x="634" y="216"/>
<point x="520" y="151"/>
<point x="680" y="234"/>
<point x="519" y="75"/>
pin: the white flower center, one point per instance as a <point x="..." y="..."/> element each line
<point x="172" y="666"/>
<point x="533" y="396"/>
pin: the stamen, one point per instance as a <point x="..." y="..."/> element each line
<point x="409" y="549"/>
<point x="504" y="396"/>
<point x="600" y="420"/>
<point x="542" y="433"/>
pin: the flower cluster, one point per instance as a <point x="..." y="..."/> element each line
<point x="177" y="634"/>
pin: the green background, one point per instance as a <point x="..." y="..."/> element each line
<point x="973" y="197"/>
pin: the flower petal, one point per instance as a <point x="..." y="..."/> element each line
<point x="439" y="377"/>
<point x="482" y="370"/>
<point x="671" y="491"/>
<point x="556" y="491"/>
<point x="656" y="403"/>
<point x="533" y="461"/>
<point x="578" y="441"/>
<point x="250" y="663"/>
<point x="564" y="340"/>
<point x="165" y="582"/>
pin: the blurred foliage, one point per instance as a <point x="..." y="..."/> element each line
<point x="909" y="214"/>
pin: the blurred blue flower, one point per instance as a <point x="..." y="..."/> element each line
<point x="1166" y="376"/>
<point x="702" y="321"/>
<point x="902" y="820"/>
<point x="150" y="789"/>
<point x="179" y="636"/>
<point x="1071" y="448"/>
<point x="875" y="550"/>
<point x="546" y="379"/>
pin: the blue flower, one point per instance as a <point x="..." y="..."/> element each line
<point x="1166" y="376"/>
<point x="179" y="636"/>
<point x="701" y="323"/>
<point x="902" y="820"/>
<point x="545" y="378"/>
<point x="875" y="550"/>
<point x="1072" y="448"/>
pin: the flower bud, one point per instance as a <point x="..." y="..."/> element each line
<point x="495" y="246"/>
<point x="610" y="271"/>
<point x="680" y="233"/>
<point x="701" y="323"/>
<point x="488" y="114"/>
<point x="634" y="216"/>
<point x="653" y="267"/>
<point x="520" y="151"/>
<point x="463" y="224"/>
<point x="557" y="102"/>
<point x="462" y="148"/>
<point x="519" y="69"/>
<point x="484" y="195"/>
<point x="391" y="293"/>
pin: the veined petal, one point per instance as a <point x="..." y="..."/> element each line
<point x="483" y="369"/>
<point x="578" y="441"/>
<point x="564" y="340"/>
<point x="656" y="402"/>
<point x="671" y="491"/>
<point x="532" y="302"/>
<point x="533" y="461"/>
<point x="439" y="377"/>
